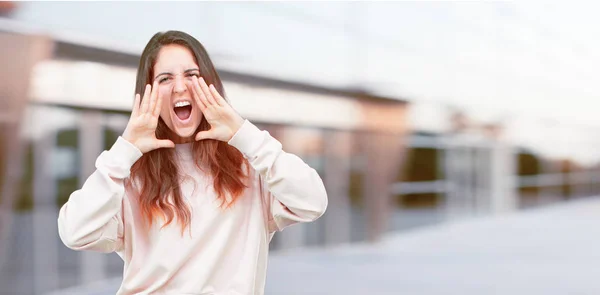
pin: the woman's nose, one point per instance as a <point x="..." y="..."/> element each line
<point x="180" y="86"/>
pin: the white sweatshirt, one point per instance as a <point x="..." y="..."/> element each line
<point x="227" y="251"/>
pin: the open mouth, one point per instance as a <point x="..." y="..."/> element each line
<point x="183" y="110"/>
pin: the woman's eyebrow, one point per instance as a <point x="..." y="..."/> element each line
<point x="169" y="73"/>
<point x="164" y="73"/>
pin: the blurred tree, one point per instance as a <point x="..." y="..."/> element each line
<point x="110" y="137"/>
<point x="24" y="198"/>
<point x="421" y="165"/>
<point x="567" y="166"/>
<point x="68" y="138"/>
<point x="528" y="165"/>
<point x="356" y="188"/>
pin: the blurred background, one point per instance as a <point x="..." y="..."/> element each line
<point x="458" y="141"/>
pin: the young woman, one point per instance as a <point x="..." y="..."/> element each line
<point x="191" y="194"/>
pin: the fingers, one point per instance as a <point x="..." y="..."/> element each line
<point x="204" y="135"/>
<point x="198" y="95"/>
<point x="207" y="96"/>
<point x="158" y="107"/>
<point x="136" y="105"/>
<point x="145" y="100"/>
<point x="164" y="143"/>
<point x="218" y="98"/>
<point x="159" y="100"/>
<point x="207" y="93"/>
<point x="153" y="98"/>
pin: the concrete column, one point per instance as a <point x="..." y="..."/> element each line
<point x="293" y="236"/>
<point x="483" y="171"/>
<point x="459" y="167"/>
<point x="470" y="153"/>
<point x="338" y="146"/>
<point x="45" y="230"/>
<point x="385" y="154"/>
<point x="90" y="143"/>
<point x="504" y="192"/>
<point x="19" y="55"/>
<point x="452" y="181"/>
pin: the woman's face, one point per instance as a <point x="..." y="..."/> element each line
<point x="174" y="70"/>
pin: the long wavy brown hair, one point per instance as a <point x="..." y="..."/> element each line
<point x="156" y="175"/>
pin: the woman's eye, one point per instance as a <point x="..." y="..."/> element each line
<point x="163" y="79"/>
<point x="194" y="75"/>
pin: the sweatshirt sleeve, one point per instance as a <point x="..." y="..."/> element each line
<point x="295" y="191"/>
<point x="91" y="219"/>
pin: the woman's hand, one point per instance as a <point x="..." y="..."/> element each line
<point x="223" y="119"/>
<point x="141" y="129"/>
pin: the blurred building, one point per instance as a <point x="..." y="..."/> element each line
<point x="389" y="162"/>
<point x="70" y="100"/>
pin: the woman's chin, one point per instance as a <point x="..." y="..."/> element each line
<point x="185" y="132"/>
